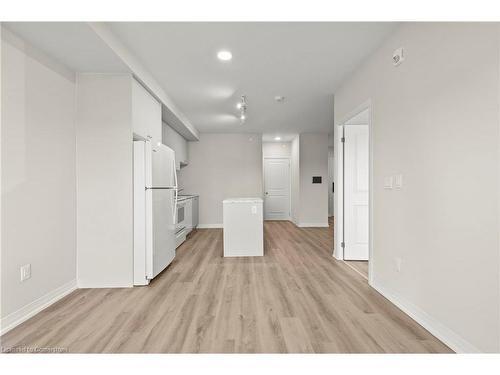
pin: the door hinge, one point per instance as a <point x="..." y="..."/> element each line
<point x="342" y="139"/>
<point x="342" y="244"/>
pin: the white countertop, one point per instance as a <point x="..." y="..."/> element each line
<point x="242" y="200"/>
<point x="186" y="196"/>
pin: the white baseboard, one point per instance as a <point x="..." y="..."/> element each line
<point x="302" y="225"/>
<point x="443" y="333"/>
<point x="312" y="225"/>
<point x="288" y="218"/>
<point x="24" y="313"/>
<point x="209" y="226"/>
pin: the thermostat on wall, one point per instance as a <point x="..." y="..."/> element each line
<point x="398" y="56"/>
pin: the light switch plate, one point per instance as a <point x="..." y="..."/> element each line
<point x="254" y="209"/>
<point x="398" y="181"/>
<point x="388" y="182"/>
<point x="399" y="262"/>
<point x="25" y="272"/>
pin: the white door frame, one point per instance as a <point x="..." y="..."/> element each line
<point x="331" y="174"/>
<point x="289" y="218"/>
<point x="338" y="226"/>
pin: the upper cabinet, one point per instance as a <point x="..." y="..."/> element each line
<point x="177" y="143"/>
<point x="146" y="114"/>
<point x="147" y="124"/>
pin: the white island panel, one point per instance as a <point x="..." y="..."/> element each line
<point x="243" y="227"/>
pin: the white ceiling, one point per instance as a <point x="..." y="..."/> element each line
<point x="73" y="44"/>
<point x="305" y="62"/>
<point x="284" y="137"/>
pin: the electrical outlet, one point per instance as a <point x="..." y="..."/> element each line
<point x="399" y="262"/>
<point x="398" y="56"/>
<point x="25" y="272"/>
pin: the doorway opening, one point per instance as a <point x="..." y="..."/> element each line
<point x="354" y="198"/>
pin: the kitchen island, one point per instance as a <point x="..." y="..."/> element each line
<point x="243" y="227"/>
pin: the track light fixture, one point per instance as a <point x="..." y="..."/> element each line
<point x="242" y="106"/>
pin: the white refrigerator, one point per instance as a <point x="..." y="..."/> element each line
<point x="155" y="201"/>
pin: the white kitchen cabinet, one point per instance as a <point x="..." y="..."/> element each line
<point x="146" y="114"/>
<point x="177" y="143"/>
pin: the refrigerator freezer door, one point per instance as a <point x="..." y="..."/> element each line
<point x="161" y="245"/>
<point x="163" y="166"/>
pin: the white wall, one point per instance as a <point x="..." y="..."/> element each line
<point x="295" y="179"/>
<point x="276" y="149"/>
<point x="38" y="178"/>
<point x="104" y="170"/>
<point x="313" y="162"/>
<point x="435" y="120"/>
<point x="176" y="142"/>
<point x="222" y="166"/>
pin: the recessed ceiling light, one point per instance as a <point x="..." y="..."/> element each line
<point x="277" y="138"/>
<point x="224" y="55"/>
<point x="238" y="105"/>
<point x="242" y="117"/>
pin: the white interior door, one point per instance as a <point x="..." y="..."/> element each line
<point x="277" y="189"/>
<point x="356" y="192"/>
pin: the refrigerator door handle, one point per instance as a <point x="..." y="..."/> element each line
<point x="176" y="194"/>
<point x="174" y="213"/>
<point x="175" y="172"/>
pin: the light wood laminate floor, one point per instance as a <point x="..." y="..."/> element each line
<point x="297" y="298"/>
<point x="359" y="265"/>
